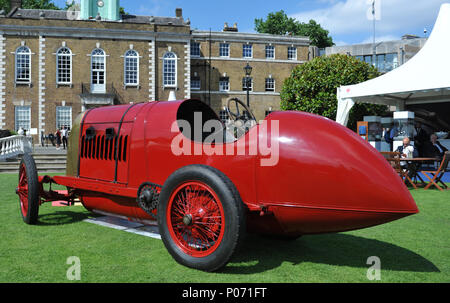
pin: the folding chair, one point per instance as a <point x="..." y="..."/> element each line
<point x="390" y="157"/>
<point x="435" y="176"/>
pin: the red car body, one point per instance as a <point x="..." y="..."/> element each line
<point x="326" y="178"/>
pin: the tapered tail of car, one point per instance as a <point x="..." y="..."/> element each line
<point x="328" y="179"/>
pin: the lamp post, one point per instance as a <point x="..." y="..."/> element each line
<point x="248" y="81"/>
<point x="374" y="48"/>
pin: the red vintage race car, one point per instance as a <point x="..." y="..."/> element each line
<point x="205" y="184"/>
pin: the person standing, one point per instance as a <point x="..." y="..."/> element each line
<point x="58" y="139"/>
<point x="389" y="134"/>
<point x="64" y="135"/>
<point x="420" y="139"/>
<point x="42" y="139"/>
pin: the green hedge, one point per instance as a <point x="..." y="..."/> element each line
<point x="312" y="87"/>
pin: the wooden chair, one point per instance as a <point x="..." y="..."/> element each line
<point x="390" y="155"/>
<point x="394" y="159"/>
<point x="435" y="176"/>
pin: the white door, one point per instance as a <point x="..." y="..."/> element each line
<point x="98" y="71"/>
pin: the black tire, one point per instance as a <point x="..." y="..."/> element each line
<point x="28" y="171"/>
<point x="233" y="215"/>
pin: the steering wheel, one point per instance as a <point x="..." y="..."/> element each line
<point x="242" y="120"/>
<point x="237" y="115"/>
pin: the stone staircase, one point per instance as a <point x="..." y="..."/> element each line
<point x="48" y="160"/>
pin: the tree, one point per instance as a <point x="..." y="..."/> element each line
<point x="69" y="5"/>
<point x="5" y="5"/>
<point x="30" y="4"/>
<point x="39" y="4"/>
<point x="312" y="87"/>
<point x="318" y="36"/>
<point x="279" y="23"/>
<point x="122" y="11"/>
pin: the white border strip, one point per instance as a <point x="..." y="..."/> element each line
<point x="126" y="225"/>
<point x="41" y="86"/>
<point x="2" y="81"/>
<point x="152" y="70"/>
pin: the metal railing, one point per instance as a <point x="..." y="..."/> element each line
<point x="14" y="146"/>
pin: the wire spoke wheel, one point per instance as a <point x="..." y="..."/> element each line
<point x="23" y="190"/>
<point x="28" y="190"/>
<point x="201" y="217"/>
<point x="196" y="219"/>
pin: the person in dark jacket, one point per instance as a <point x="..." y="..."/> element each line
<point x="420" y="139"/>
<point x="435" y="148"/>
<point x="58" y="138"/>
<point x="42" y="139"/>
<point x="51" y="137"/>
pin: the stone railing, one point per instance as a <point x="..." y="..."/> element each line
<point x="15" y="146"/>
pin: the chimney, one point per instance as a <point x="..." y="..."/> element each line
<point x="227" y="28"/>
<point x="16" y="4"/>
<point x="179" y="12"/>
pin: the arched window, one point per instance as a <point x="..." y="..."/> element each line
<point x="170" y="69"/>
<point x="131" y="68"/>
<point x="98" y="71"/>
<point x="23" y="65"/>
<point x="64" y="66"/>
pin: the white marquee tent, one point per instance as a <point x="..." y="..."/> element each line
<point x="425" y="78"/>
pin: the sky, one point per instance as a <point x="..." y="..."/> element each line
<point x="348" y="21"/>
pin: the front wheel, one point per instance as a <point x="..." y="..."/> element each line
<point x="28" y="190"/>
<point x="200" y="217"/>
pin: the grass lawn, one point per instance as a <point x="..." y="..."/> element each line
<point x="413" y="249"/>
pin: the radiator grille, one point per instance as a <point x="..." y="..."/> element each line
<point x="101" y="147"/>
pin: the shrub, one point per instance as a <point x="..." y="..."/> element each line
<point x="312" y="87"/>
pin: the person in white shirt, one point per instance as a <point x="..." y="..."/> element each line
<point x="64" y="136"/>
<point x="406" y="150"/>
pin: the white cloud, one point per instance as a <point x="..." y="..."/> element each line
<point x="380" y="39"/>
<point x="350" y="16"/>
<point x="340" y="43"/>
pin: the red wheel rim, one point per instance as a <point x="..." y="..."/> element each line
<point x="23" y="190"/>
<point x="195" y="219"/>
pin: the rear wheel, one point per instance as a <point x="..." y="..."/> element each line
<point x="200" y="217"/>
<point x="28" y="190"/>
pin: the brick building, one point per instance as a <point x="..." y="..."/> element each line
<point x="218" y="60"/>
<point x="56" y="64"/>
